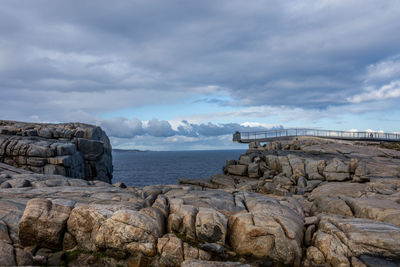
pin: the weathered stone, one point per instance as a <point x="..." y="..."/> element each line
<point x="60" y="160"/>
<point x="200" y="263"/>
<point x="37" y="162"/>
<point x="129" y="231"/>
<point x="39" y="260"/>
<point x="83" y="221"/>
<point x="19" y="182"/>
<point x="282" y="181"/>
<point x="240" y="170"/>
<point x="214" y="248"/>
<point x="45" y="133"/>
<point x="54" y="149"/>
<point x="6" y="254"/>
<point x="211" y="226"/>
<point x="23" y="258"/>
<point x="69" y="242"/>
<point x="309" y="234"/>
<point x="269" y="230"/>
<point x="223" y="181"/>
<point x="191" y="252"/>
<point x="261" y="229"/>
<point x="182" y="219"/>
<point x="314" y="169"/>
<point x="120" y="185"/>
<point x="334" y="189"/>
<point x="360" y="173"/>
<point x="5" y="185"/>
<point x="336" y="170"/>
<point x="367" y="261"/>
<point x="254" y="170"/>
<point x="315" y="256"/>
<point x="358" y="179"/>
<point x="4" y="236"/>
<point x="170" y="249"/>
<point x="383" y="210"/>
<point x="92" y="149"/>
<point x="353" y="164"/>
<point x="336" y="176"/>
<point x="52" y="169"/>
<point x="338" y="238"/>
<point x="254" y="145"/>
<point x="64" y="149"/>
<point x="273" y="163"/>
<point x="244" y="160"/>
<point x="331" y="205"/>
<point x="43" y="223"/>
<point x="361" y="170"/>
<point x="355" y="262"/>
<point x="297" y="166"/>
<point x="311" y="220"/>
<point x="285" y="165"/>
<point x="55" y="259"/>
<point x="301" y="182"/>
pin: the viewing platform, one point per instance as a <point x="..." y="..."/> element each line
<point x="282" y="134"/>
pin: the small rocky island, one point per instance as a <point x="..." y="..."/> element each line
<point x="301" y="202"/>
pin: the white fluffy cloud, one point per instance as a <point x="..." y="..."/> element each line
<point x="381" y="81"/>
<point x="388" y="91"/>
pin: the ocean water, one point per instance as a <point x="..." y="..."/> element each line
<point x="167" y="167"/>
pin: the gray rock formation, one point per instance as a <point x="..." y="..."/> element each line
<point x="73" y="149"/>
<point x="349" y="193"/>
<point x="291" y="207"/>
<point x="166" y="224"/>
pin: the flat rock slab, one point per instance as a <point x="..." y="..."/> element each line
<point x="338" y="239"/>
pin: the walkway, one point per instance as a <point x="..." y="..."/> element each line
<point x="273" y="135"/>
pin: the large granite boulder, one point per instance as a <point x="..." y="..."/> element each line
<point x="130" y="231"/>
<point x="336" y="170"/>
<point x="270" y="229"/>
<point x="339" y="239"/>
<point x="44" y="223"/>
<point x="173" y="251"/>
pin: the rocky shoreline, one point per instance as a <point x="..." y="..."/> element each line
<point x="304" y="202"/>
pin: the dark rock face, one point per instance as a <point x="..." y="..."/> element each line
<point x="73" y="149"/>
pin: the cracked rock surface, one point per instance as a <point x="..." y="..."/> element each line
<point x="306" y="202"/>
<point x="72" y="149"/>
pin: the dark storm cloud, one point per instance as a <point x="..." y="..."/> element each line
<point x="296" y="53"/>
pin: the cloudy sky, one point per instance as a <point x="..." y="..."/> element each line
<point x="172" y="75"/>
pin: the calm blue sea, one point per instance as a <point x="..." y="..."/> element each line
<point x="167" y="167"/>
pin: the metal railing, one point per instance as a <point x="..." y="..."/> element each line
<point x="246" y="137"/>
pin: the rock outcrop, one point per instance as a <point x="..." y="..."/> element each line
<point x="73" y="149"/>
<point x="349" y="193"/>
<point x="165" y="225"/>
<point x="308" y="202"/>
